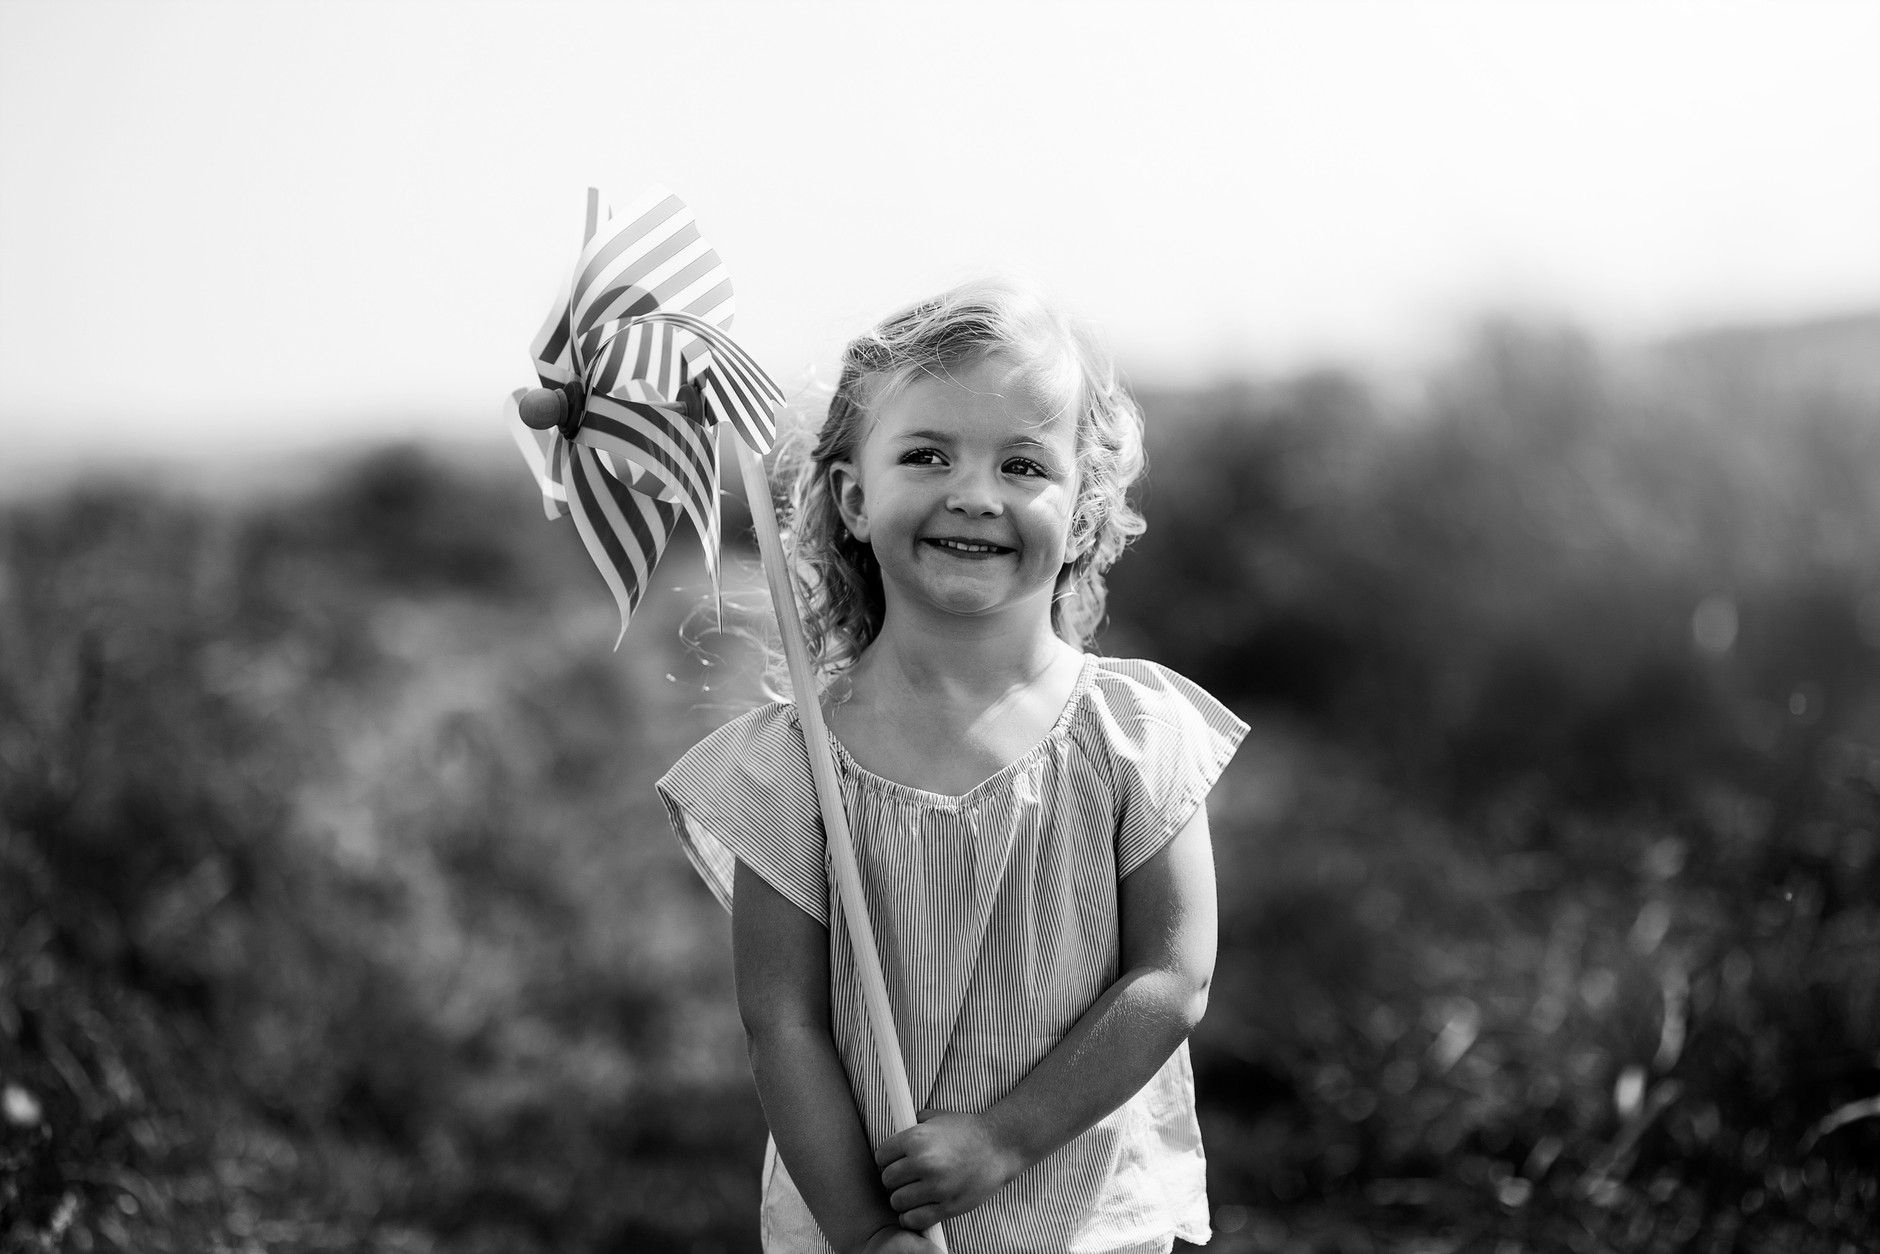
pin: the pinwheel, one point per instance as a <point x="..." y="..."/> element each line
<point x="637" y="372"/>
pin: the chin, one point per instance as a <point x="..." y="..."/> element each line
<point x="965" y="606"/>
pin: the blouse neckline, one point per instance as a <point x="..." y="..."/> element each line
<point x="1086" y="675"/>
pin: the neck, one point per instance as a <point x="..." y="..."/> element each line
<point x="987" y="656"/>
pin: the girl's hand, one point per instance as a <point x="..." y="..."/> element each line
<point x="944" y="1166"/>
<point x="898" y="1241"/>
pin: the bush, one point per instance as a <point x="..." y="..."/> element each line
<point x="324" y="930"/>
<point x="1598" y="652"/>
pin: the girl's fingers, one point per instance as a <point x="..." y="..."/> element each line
<point x="902" y="1242"/>
<point x="922" y="1218"/>
<point x="899" y="1172"/>
<point x="911" y="1197"/>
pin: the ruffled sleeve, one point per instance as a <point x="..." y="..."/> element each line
<point x="745" y="794"/>
<point x="1168" y="742"/>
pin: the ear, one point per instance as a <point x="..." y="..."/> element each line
<point x="1075" y="548"/>
<point x="845" y="486"/>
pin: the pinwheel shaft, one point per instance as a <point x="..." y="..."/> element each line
<point x="829" y="796"/>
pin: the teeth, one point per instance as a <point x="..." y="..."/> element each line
<point x="968" y="547"/>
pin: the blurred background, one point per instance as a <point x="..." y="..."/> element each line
<point x="1513" y="384"/>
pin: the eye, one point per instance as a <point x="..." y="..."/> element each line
<point x="1026" y="466"/>
<point x="923" y="457"/>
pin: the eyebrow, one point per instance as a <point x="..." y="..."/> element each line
<point x="929" y="436"/>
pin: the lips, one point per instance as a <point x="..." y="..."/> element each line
<point x="968" y="548"/>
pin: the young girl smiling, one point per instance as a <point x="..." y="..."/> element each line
<point x="1029" y="819"/>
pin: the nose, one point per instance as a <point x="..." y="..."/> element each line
<point x="974" y="494"/>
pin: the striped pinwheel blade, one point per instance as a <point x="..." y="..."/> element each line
<point x="625" y="531"/>
<point x="650" y="256"/>
<point x="736" y="388"/>
<point x="639" y="417"/>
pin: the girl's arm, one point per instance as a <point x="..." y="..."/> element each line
<point x="951" y="1163"/>
<point x="781" y="956"/>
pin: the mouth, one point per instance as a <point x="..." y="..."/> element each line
<point x="968" y="548"/>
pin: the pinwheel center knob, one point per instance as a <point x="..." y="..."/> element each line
<point x="562" y="407"/>
<point x="691" y="400"/>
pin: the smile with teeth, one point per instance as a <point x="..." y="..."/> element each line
<point x="968" y="546"/>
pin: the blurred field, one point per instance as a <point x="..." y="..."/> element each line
<point x="337" y="911"/>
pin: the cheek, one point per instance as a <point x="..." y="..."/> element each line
<point x="1062" y="502"/>
<point x="1053" y="516"/>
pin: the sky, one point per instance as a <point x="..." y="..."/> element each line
<point x="237" y="230"/>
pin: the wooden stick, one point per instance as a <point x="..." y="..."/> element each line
<point x="828" y="793"/>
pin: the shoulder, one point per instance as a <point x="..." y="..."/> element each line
<point x="1144" y="698"/>
<point x="1163" y="741"/>
<point x="752" y="773"/>
<point x="762" y="747"/>
<point x="745" y="794"/>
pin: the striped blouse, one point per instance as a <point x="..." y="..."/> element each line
<point x="996" y="915"/>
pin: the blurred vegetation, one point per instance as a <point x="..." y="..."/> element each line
<point x="337" y="910"/>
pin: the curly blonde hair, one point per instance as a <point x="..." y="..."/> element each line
<point x="837" y="577"/>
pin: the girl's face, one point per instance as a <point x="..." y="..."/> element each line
<point x="964" y="486"/>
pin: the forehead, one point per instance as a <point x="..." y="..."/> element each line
<point x="987" y="400"/>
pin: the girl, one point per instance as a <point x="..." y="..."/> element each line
<point x="1029" y="818"/>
